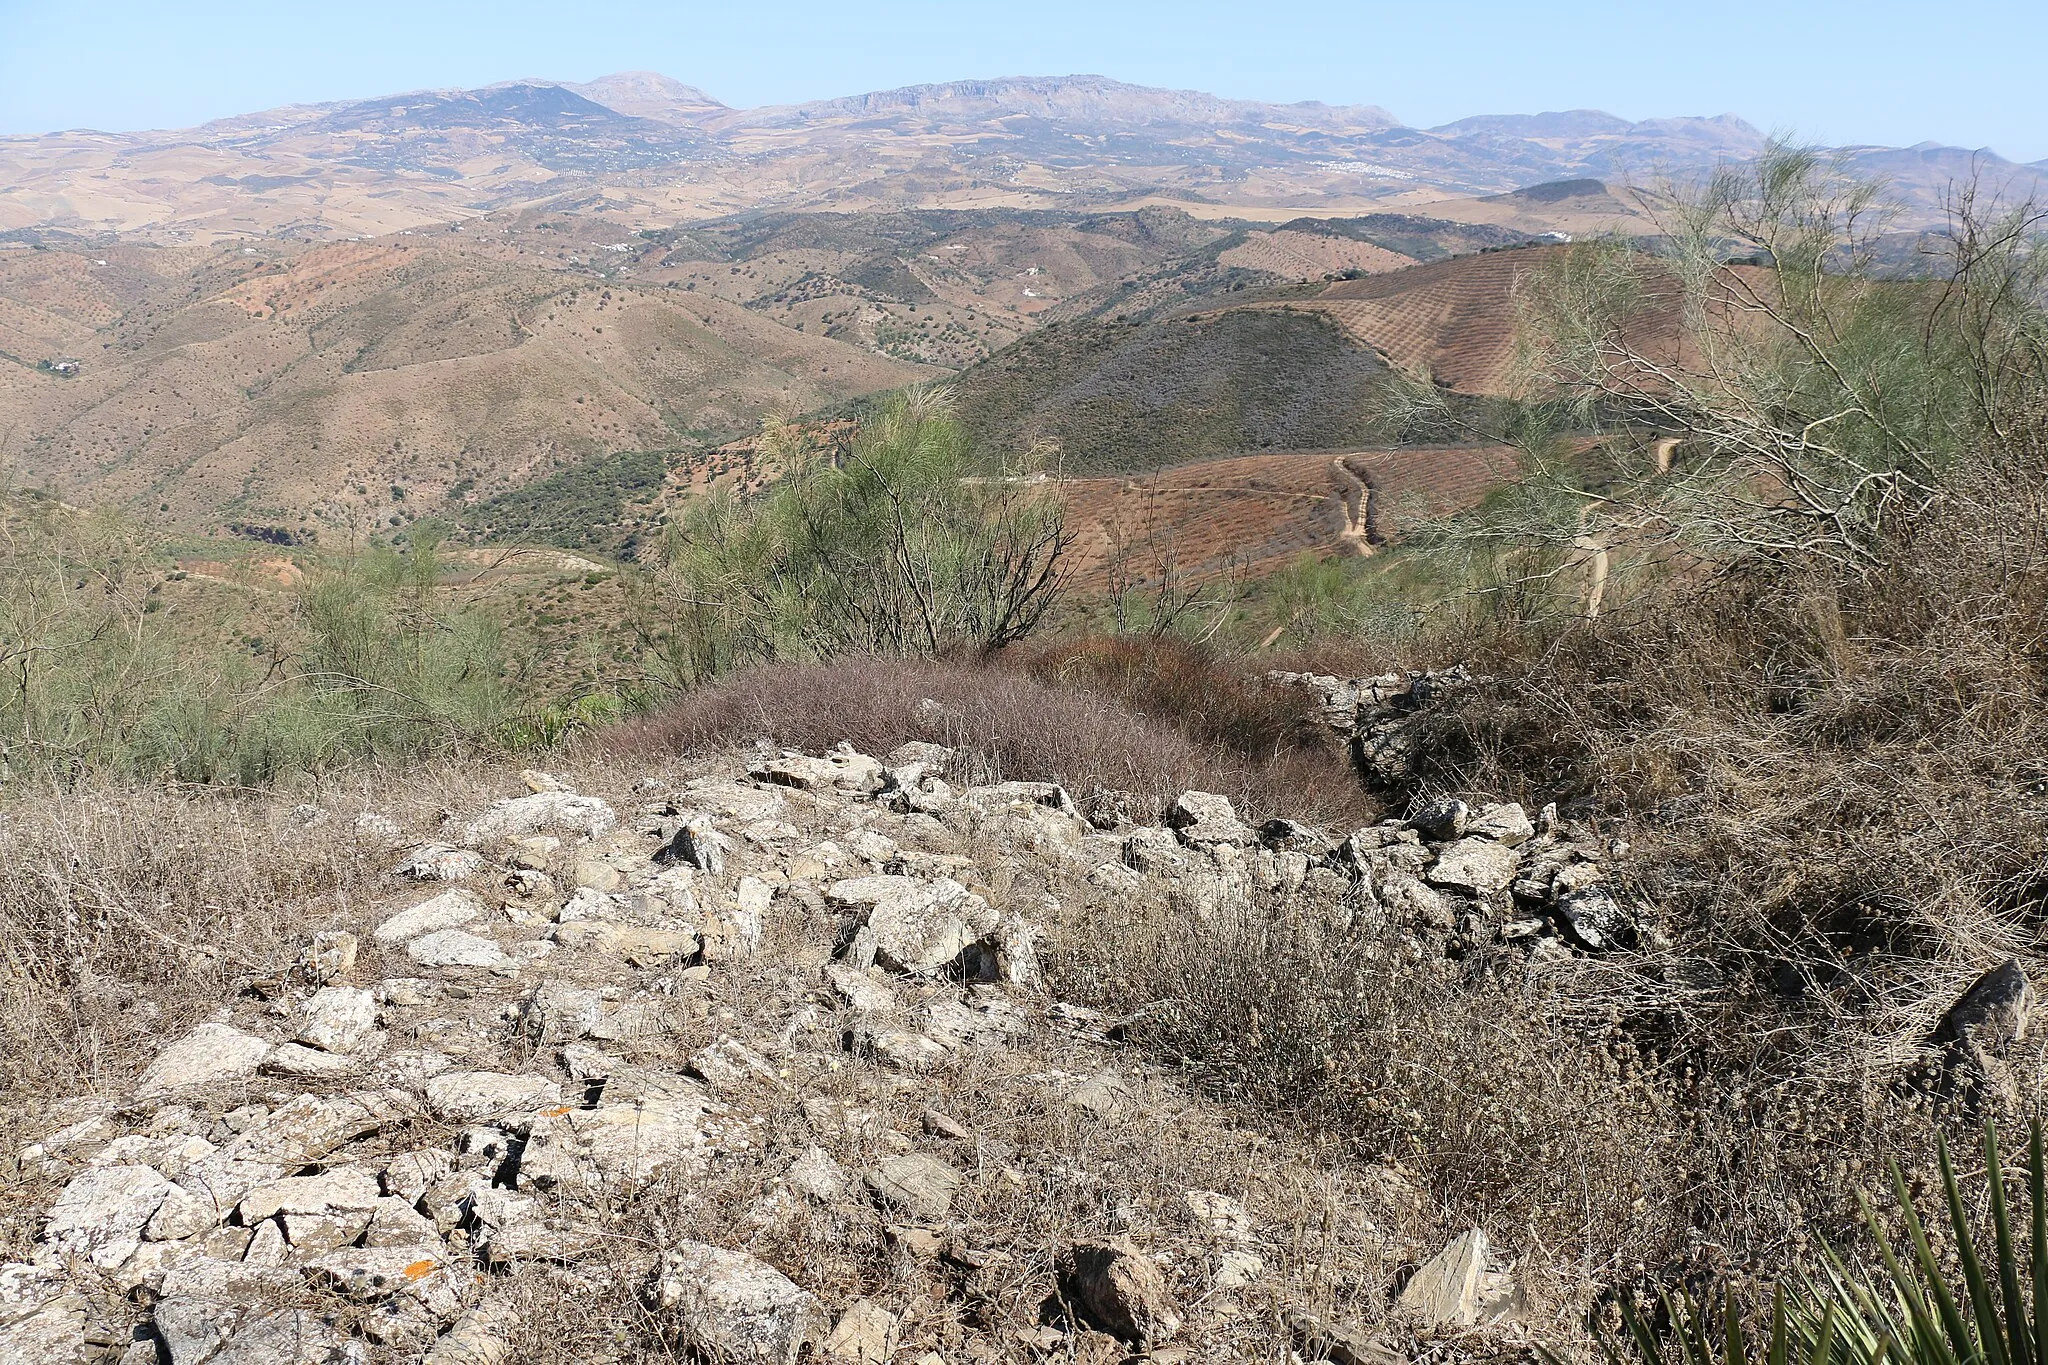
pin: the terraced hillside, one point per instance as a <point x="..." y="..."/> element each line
<point x="1257" y="513"/>
<point x="1453" y="320"/>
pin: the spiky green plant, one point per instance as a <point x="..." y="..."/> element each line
<point x="1989" y="1308"/>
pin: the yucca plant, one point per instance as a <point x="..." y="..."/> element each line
<point x="1987" y="1309"/>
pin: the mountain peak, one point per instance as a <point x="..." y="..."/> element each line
<point x="646" y="94"/>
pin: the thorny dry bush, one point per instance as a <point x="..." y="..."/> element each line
<point x="1012" y="724"/>
<point x="1599" y="1161"/>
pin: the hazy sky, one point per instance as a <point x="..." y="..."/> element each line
<point x="1972" y="74"/>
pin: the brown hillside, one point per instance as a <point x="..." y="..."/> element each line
<point x="1453" y="320"/>
<point x="1255" y="513"/>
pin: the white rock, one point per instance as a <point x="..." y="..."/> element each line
<point x="102" y="1212"/>
<point x="732" y="1306"/>
<point x="519" y="817"/>
<point x="42" y="1318"/>
<point x="465" y="1096"/>
<point x="816" y="1175"/>
<point x="346" y="1188"/>
<point x="1506" y="823"/>
<point x="207" y="1056"/>
<point x="864" y="992"/>
<point x="445" y="911"/>
<point x="331" y="956"/>
<point x="307" y="1063"/>
<point x="1207" y="818"/>
<point x="865" y="1334"/>
<point x="917" y="1184"/>
<point x="1475" y="865"/>
<point x="181" y="1215"/>
<point x="337" y="1018"/>
<point x="1459" y="1287"/>
<point x="585" y="1148"/>
<point x="454" y="948"/>
<point x="218" y="1332"/>
<point x="440" y="863"/>
<point x="918" y="926"/>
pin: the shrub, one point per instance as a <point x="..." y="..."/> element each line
<point x="1012" y="724"/>
<point x="908" y="545"/>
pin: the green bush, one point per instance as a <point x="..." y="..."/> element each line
<point x="908" y="544"/>
<point x="93" y="679"/>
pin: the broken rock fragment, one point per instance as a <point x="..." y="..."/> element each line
<point x="728" y="1305"/>
<point x="917" y="1184"/>
<point x="448" y="910"/>
<point x="1460" y="1287"/>
<point x="1118" y="1289"/>
<point x="337" y="1018"/>
<point x="206" y="1056"/>
<point x="1205" y="818"/>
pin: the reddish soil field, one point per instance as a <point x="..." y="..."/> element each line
<point x="1260" y="512"/>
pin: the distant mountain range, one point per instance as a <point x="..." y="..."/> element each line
<point x="654" y="151"/>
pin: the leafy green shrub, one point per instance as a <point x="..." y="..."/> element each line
<point x="909" y="544"/>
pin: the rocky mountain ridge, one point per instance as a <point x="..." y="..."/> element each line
<point x="663" y="152"/>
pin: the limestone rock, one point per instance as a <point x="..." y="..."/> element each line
<point x="373" y="828"/>
<point x="481" y="1336"/>
<point x="331" y="956"/>
<point x="1595" y="918"/>
<point x="102" y="1212"/>
<point x="466" y="1096"/>
<point x="1206" y="818"/>
<point x="208" y="1055"/>
<point x="918" y="926"/>
<point x="732" y="1306"/>
<point x="337" y="1018"/>
<point x="1474" y="865"/>
<point x="917" y="1184"/>
<point x="1118" y="1289"/>
<point x="816" y="1175"/>
<point x="841" y="769"/>
<point x="1506" y="823"/>
<point x="346" y="1188"/>
<point x="636" y="943"/>
<point x="615" y="1143"/>
<point x="698" y="844"/>
<point x="521" y="817"/>
<point x="1442" y="820"/>
<point x="440" y="863"/>
<point x="865" y="1334"/>
<point x="42" y="1318"/>
<point x="180" y="1215"/>
<point x="1992" y="1014"/>
<point x="454" y="948"/>
<point x="1221" y="1216"/>
<point x="902" y="1050"/>
<point x="222" y="1333"/>
<point x="863" y="992"/>
<point x="1459" y="1287"/>
<point x="448" y="910"/>
<point x="311" y="1126"/>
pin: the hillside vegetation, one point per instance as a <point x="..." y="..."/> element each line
<point x="1128" y="396"/>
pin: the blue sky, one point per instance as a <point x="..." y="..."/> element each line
<point x="1971" y="74"/>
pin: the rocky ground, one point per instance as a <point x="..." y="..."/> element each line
<point x="756" y="1060"/>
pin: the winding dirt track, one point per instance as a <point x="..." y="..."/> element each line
<point x="1259" y="513"/>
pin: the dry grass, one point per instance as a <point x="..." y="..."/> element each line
<point x="1016" y="725"/>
